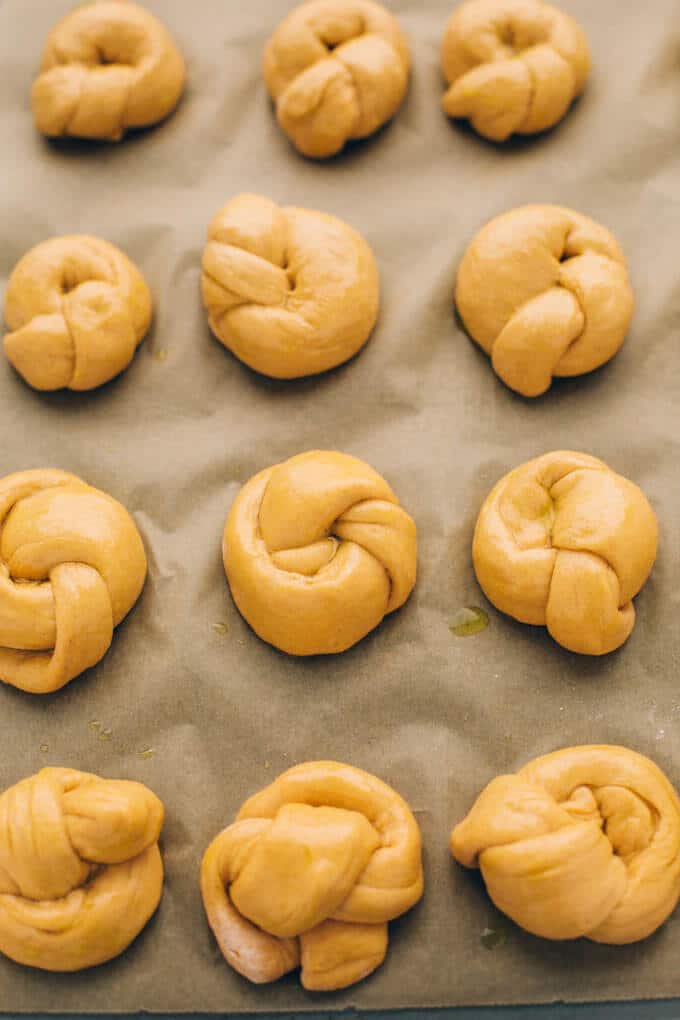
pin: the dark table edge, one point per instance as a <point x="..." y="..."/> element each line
<point x="657" y="1009"/>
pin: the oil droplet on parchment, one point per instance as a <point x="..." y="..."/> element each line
<point x="95" y="725"/>
<point x="44" y="748"/>
<point x="161" y="355"/>
<point x="106" y="734"/>
<point x="493" y="938"/>
<point x="146" y="753"/>
<point x="220" y="628"/>
<point x="469" y="620"/>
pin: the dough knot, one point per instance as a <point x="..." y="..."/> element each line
<point x="107" y="67"/>
<point x="72" y="565"/>
<point x="565" y="542"/>
<point x="513" y="66"/>
<point x="545" y="292"/>
<point x="309" y="875"/>
<point x="80" y="868"/>
<point x="291" y="292"/>
<point x="317" y="550"/>
<point x="77" y="309"/>
<point x="581" y="842"/>
<point x="337" y="70"/>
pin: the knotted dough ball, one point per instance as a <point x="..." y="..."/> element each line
<point x="545" y="292"/>
<point x="72" y="565"/>
<point x="566" y="543"/>
<point x="80" y="868"/>
<point x="309" y="875"/>
<point x="337" y="70"/>
<point x="77" y="308"/>
<point x="512" y="66"/>
<point x="581" y="842"/>
<point x="317" y="550"/>
<point x="290" y="292"/>
<point x="106" y="67"/>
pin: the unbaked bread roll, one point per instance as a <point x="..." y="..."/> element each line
<point x="77" y="308"/>
<point x="72" y="565"/>
<point x="545" y="292"/>
<point x="106" y="67"/>
<point x="512" y="66"/>
<point x="290" y="292"/>
<point x="80" y="868"/>
<point x="564" y="542"/>
<point x="337" y="70"/>
<point x="581" y="842"/>
<point x="317" y="550"/>
<point x="309" y="875"/>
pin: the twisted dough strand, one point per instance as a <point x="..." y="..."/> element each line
<point x="72" y="565"/>
<point x="564" y="542"/>
<point x="80" y="868"/>
<point x="544" y="291"/>
<point x="291" y="292"/>
<point x="77" y="309"/>
<point x="107" y="67"/>
<point x="337" y="70"/>
<point x="513" y="66"/>
<point x="316" y="551"/>
<point x="581" y="842"/>
<point x="310" y="873"/>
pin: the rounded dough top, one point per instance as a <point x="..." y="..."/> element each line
<point x="72" y="565"/>
<point x="512" y="66"/>
<point x="581" y="842"/>
<point x="565" y="542"/>
<point x="106" y="67"/>
<point x="316" y="551"/>
<point x="291" y="292"/>
<point x="80" y="868"/>
<point x="337" y="70"/>
<point x="77" y="309"/>
<point x="309" y="875"/>
<point x="545" y="292"/>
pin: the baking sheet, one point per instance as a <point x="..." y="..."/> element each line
<point x="174" y="438"/>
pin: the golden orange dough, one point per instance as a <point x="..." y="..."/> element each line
<point x="80" y="868"/>
<point x="106" y="67"/>
<point x="337" y="70"/>
<point x="72" y="565"/>
<point x="581" y="842"/>
<point x="512" y="66"/>
<point x="566" y="543"/>
<point x="290" y="292"/>
<point x="309" y="875"/>
<point x="317" y="550"/>
<point x="77" y="308"/>
<point x="545" y="292"/>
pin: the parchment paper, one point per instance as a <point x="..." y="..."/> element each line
<point x="174" y="438"/>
